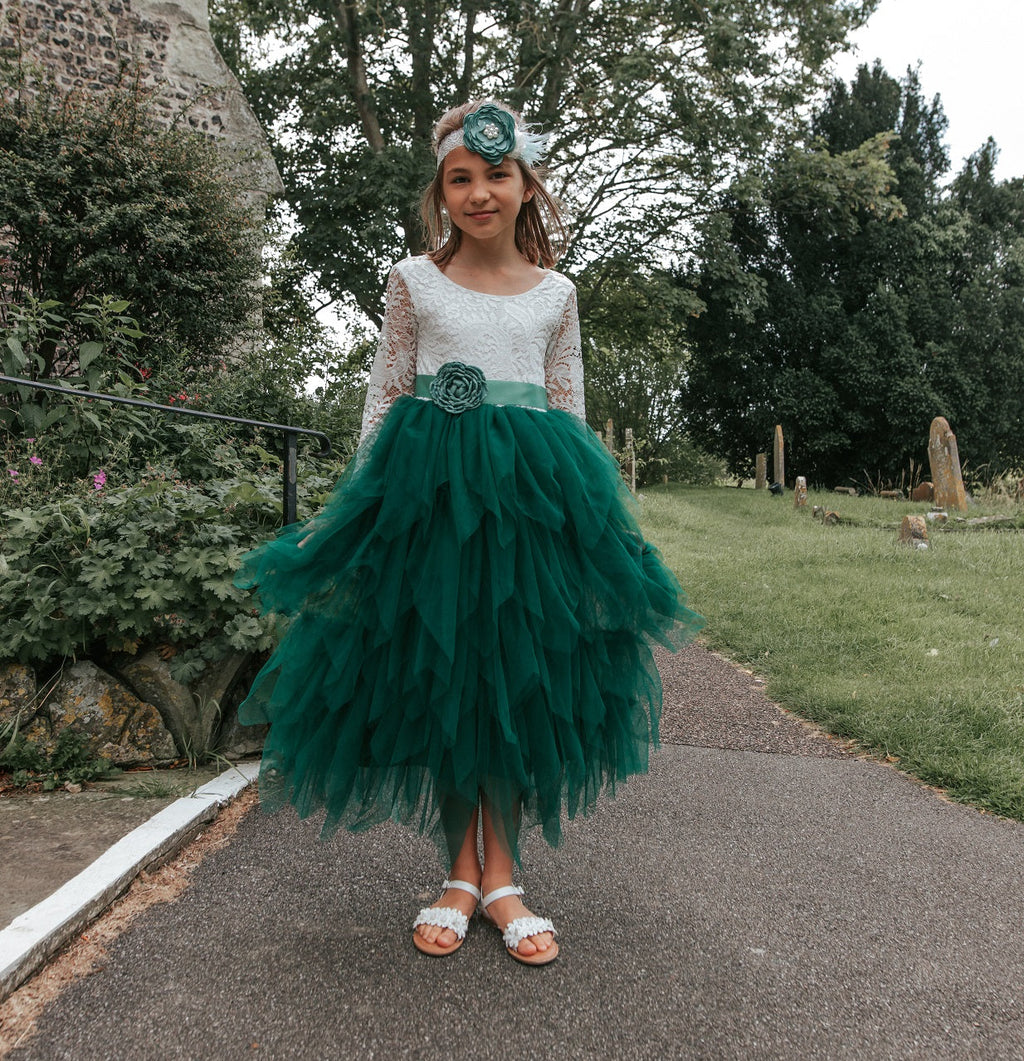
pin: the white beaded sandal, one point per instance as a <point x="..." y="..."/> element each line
<point x="516" y="931"/>
<point x="444" y="917"/>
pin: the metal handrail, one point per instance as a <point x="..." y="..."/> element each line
<point x="290" y="433"/>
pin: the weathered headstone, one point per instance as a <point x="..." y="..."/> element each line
<point x="761" y="481"/>
<point x="944" y="458"/>
<point x="923" y="492"/>
<point x="914" y="532"/>
<point x="609" y="435"/>
<point x="629" y="460"/>
<point x="800" y="493"/>
<point x="779" y="457"/>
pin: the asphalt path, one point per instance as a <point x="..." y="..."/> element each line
<point x="762" y="893"/>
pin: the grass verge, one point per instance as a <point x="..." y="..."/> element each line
<point x="916" y="654"/>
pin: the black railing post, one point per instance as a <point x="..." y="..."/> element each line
<point x="291" y="468"/>
<point x="290" y="432"/>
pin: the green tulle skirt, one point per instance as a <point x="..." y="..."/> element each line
<point x="470" y="616"/>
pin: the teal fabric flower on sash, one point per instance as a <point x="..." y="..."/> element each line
<point x="457" y="388"/>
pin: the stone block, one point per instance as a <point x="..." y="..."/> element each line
<point x="923" y="492"/>
<point x="120" y="727"/>
<point x="800" y="493"/>
<point x="17" y="696"/>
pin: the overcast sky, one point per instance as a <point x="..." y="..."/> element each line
<point x="971" y="55"/>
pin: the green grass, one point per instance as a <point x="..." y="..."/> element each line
<point x="916" y="655"/>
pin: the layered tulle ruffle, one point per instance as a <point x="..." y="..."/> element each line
<point x="471" y="615"/>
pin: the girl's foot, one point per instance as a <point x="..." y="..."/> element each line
<point x="510" y="908"/>
<point x="454" y="899"/>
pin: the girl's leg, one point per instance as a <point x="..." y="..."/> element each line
<point x="465" y="866"/>
<point x="497" y="873"/>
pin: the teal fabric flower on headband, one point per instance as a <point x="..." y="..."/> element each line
<point x="490" y="132"/>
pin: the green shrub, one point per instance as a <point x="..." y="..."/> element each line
<point x="96" y="197"/>
<point x="110" y="568"/>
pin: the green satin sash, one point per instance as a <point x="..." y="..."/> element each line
<point x="499" y="392"/>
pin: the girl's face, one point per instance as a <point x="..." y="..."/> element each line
<point x="483" y="201"/>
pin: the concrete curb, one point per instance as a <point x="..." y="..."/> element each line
<point x="32" y="938"/>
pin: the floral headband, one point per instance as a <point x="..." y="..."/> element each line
<point x="492" y="133"/>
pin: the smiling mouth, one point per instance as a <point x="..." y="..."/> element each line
<point x="481" y="214"/>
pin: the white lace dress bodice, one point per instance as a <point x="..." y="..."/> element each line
<point x="533" y="337"/>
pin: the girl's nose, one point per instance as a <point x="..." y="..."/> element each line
<point x="479" y="193"/>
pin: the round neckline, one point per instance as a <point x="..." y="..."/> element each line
<point x="487" y="294"/>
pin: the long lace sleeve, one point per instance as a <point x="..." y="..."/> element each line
<point x="563" y="364"/>
<point x="394" y="366"/>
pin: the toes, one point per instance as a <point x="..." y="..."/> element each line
<point x="533" y="944"/>
<point x="446" y="938"/>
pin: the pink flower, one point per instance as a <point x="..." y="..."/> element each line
<point x="12" y="473"/>
<point x="99" y="479"/>
<point x="35" y="460"/>
<point x="30" y="440"/>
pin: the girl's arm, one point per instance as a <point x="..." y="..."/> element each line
<point x="394" y="366"/>
<point x="563" y="366"/>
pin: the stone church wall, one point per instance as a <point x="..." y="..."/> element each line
<point x="91" y="43"/>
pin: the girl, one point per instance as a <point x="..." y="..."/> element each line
<point x="472" y="611"/>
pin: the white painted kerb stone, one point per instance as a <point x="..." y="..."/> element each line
<point x="34" y="936"/>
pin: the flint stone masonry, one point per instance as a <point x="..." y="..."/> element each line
<point x="91" y="45"/>
<point x="120" y="726"/>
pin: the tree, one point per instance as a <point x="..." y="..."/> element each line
<point x="854" y="328"/>
<point x="653" y="106"/>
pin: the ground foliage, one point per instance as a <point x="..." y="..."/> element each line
<point x="112" y="568"/>
<point x="853" y="328"/>
<point x="653" y="105"/>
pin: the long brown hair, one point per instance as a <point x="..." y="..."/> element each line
<point x="538" y="217"/>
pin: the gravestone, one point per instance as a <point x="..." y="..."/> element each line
<point x="779" y="457"/>
<point x="944" y="458"/>
<point x="761" y="481"/>
<point x="800" y="493"/>
<point x="923" y="492"/>
<point x="914" y="532"/>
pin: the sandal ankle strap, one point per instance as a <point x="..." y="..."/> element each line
<point x="463" y="885"/>
<point x="500" y="893"/>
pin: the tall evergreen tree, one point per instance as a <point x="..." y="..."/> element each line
<point x="850" y="328"/>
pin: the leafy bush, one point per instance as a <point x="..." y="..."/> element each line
<point x="96" y="197"/>
<point x="71" y="762"/>
<point x="111" y="568"/>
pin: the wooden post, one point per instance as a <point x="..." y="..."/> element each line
<point x="630" y="459"/>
